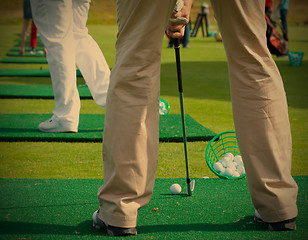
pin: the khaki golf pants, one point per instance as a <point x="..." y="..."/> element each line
<point x="130" y="148"/>
<point x="62" y="24"/>
<point x="131" y="133"/>
<point x="260" y="108"/>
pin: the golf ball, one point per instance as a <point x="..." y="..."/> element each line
<point x="225" y="161"/>
<point x="236" y="174"/>
<point x="175" y="189"/>
<point x="232" y="165"/>
<point x="238" y="160"/>
<point x="229" y="172"/>
<point x="218" y="166"/>
<point x="230" y="155"/>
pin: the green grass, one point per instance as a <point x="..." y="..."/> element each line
<point x="206" y="96"/>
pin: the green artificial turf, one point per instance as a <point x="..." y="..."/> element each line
<point x="18" y="44"/>
<point x="23" y="127"/>
<point x="206" y="99"/>
<point x="26" y="54"/>
<point x="28" y="39"/>
<point x="27" y="49"/>
<point x="29" y="73"/>
<point x="62" y="209"/>
<point x="37" y="91"/>
<point x="23" y="60"/>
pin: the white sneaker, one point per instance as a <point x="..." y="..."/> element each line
<point x="53" y="125"/>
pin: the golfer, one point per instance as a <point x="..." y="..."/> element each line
<point x="131" y="136"/>
<point x="62" y="24"/>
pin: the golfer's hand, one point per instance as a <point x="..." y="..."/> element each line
<point x="176" y="29"/>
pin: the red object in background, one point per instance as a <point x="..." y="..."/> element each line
<point x="33" y="38"/>
<point x="268" y="3"/>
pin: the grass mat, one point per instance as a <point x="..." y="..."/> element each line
<point x="23" y="127"/>
<point x="62" y="209"/>
<point x="37" y="91"/>
<point x="26" y="54"/>
<point x="28" y="73"/>
<point x="28" y="49"/>
<point x="38" y="44"/>
<point x="23" y="60"/>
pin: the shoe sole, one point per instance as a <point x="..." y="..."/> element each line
<point x="59" y="131"/>
<point x="63" y="130"/>
<point x="110" y="232"/>
<point x="287" y="226"/>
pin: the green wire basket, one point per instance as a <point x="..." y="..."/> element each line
<point x="221" y="144"/>
<point x="296" y="58"/>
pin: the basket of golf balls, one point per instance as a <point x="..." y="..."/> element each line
<point x="223" y="157"/>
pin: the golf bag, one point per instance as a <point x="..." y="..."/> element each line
<point x="275" y="43"/>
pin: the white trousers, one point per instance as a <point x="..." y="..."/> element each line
<point x="62" y="24"/>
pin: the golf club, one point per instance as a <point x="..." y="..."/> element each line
<point x="190" y="184"/>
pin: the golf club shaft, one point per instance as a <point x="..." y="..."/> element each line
<point x="179" y="73"/>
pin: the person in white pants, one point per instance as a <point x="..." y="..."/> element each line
<point x="62" y="24"/>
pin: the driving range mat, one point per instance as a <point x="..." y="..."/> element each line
<point x="26" y="54"/>
<point x="23" y="60"/>
<point x="28" y="39"/>
<point x="62" y="209"/>
<point x="37" y="91"/>
<point x="24" y="127"/>
<point x="29" y="73"/>
<point x="38" y="44"/>
<point x="27" y="49"/>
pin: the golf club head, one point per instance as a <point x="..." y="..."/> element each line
<point x="190" y="187"/>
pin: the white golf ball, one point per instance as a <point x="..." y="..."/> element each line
<point x="229" y="172"/>
<point x="236" y="174"/>
<point x="225" y="161"/>
<point x="238" y="160"/>
<point x="230" y="155"/>
<point x="175" y="189"/>
<point x="240" y="170"/>
<point x="218" y="166"/>
<point x="232" y="165"/>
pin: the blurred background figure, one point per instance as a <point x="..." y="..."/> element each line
<point x="268" y="8"/>
<point x="284" y="7"/>
<point x="33" y="35"/>
<point x="64" y="32"/>
<point x="205" y="9"/>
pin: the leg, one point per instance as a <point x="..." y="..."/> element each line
<point x="171" y="42"/>
<point x="54" y="20"/>
<point x="131" y="134"/>
<point x="33" y="40"/>
<point x="186" y="37"/>
<point x="24" y="36"/>
<point x="284" y="22"/>
<point x="89" y="58"/>
<point x="27" y="17"/>
<point x="260" y="109"/>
